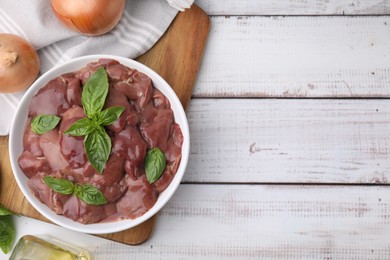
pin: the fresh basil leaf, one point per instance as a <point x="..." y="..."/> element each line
<point x="81" y="127"/>
<point x="98" y="147"/>
<point x="155" y="163"/>
<point x="4" y="211"/>
<point x="7" y="233"/>
<point x="110" y="115"/>
<point x="61" y="186"/>
<point x="44" y="123"/>
<point x="90" y="195"/>
<point x="95" y="92"/>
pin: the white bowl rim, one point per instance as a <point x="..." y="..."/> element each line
<point x="18" y="126"/>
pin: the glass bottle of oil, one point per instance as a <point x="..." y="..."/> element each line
<point x="31" y="247"/>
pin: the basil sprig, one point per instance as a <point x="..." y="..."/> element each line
<point x="155" y="163"/>
<point x="7" y="230"/>
<point x="44" y="123"/>
<point x="97" y="143"/>
<point x="87" y="193"/>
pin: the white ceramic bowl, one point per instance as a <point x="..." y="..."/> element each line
<point x="18" y="128"/>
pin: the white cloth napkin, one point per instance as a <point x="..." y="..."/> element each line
<point x="181" y="4"/>
<point x="142" y="24"/>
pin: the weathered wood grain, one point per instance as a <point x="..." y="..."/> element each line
<point x="289" y="141"/>
<point x="269" y="222"/>
<point x="296" y="57"/>
<point x="294" y="7"/>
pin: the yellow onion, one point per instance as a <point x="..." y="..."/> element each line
<point x="89" y="17"/>
<point x="19" y="63"/>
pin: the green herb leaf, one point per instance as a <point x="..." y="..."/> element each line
<point x="110" y="115"/>
<point x="61" y="186"/>
<point x="87" y="193"/>
<point x="90" y="195"/>
<point x="98" y="147"/>
<point x="81" y="127"/>
<point x="4" y="211"/>
<point x="44" y="123"/>
<point x="95" y="92"/>
<point x="7" y="233"/>
<point x="155" y="163"/>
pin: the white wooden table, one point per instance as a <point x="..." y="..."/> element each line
<point x="290" y="139"/>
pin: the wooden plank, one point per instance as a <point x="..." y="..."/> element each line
<point x="269" y="222"/>
<point x="179" y="38"/>
<point x="295" y="7"/>
<point x="178" y="57"/>
<point x="296" y="57"/>
<point x="289" y="141"/>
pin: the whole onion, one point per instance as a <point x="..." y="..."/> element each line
<point x="89" y="17"/>
<point x="19" y="63"/>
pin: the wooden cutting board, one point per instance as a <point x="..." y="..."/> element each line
<point x="176" y="57"/>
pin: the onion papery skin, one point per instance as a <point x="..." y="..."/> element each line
<point x="19" y="63"/>
<point x="89" y="17"/>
